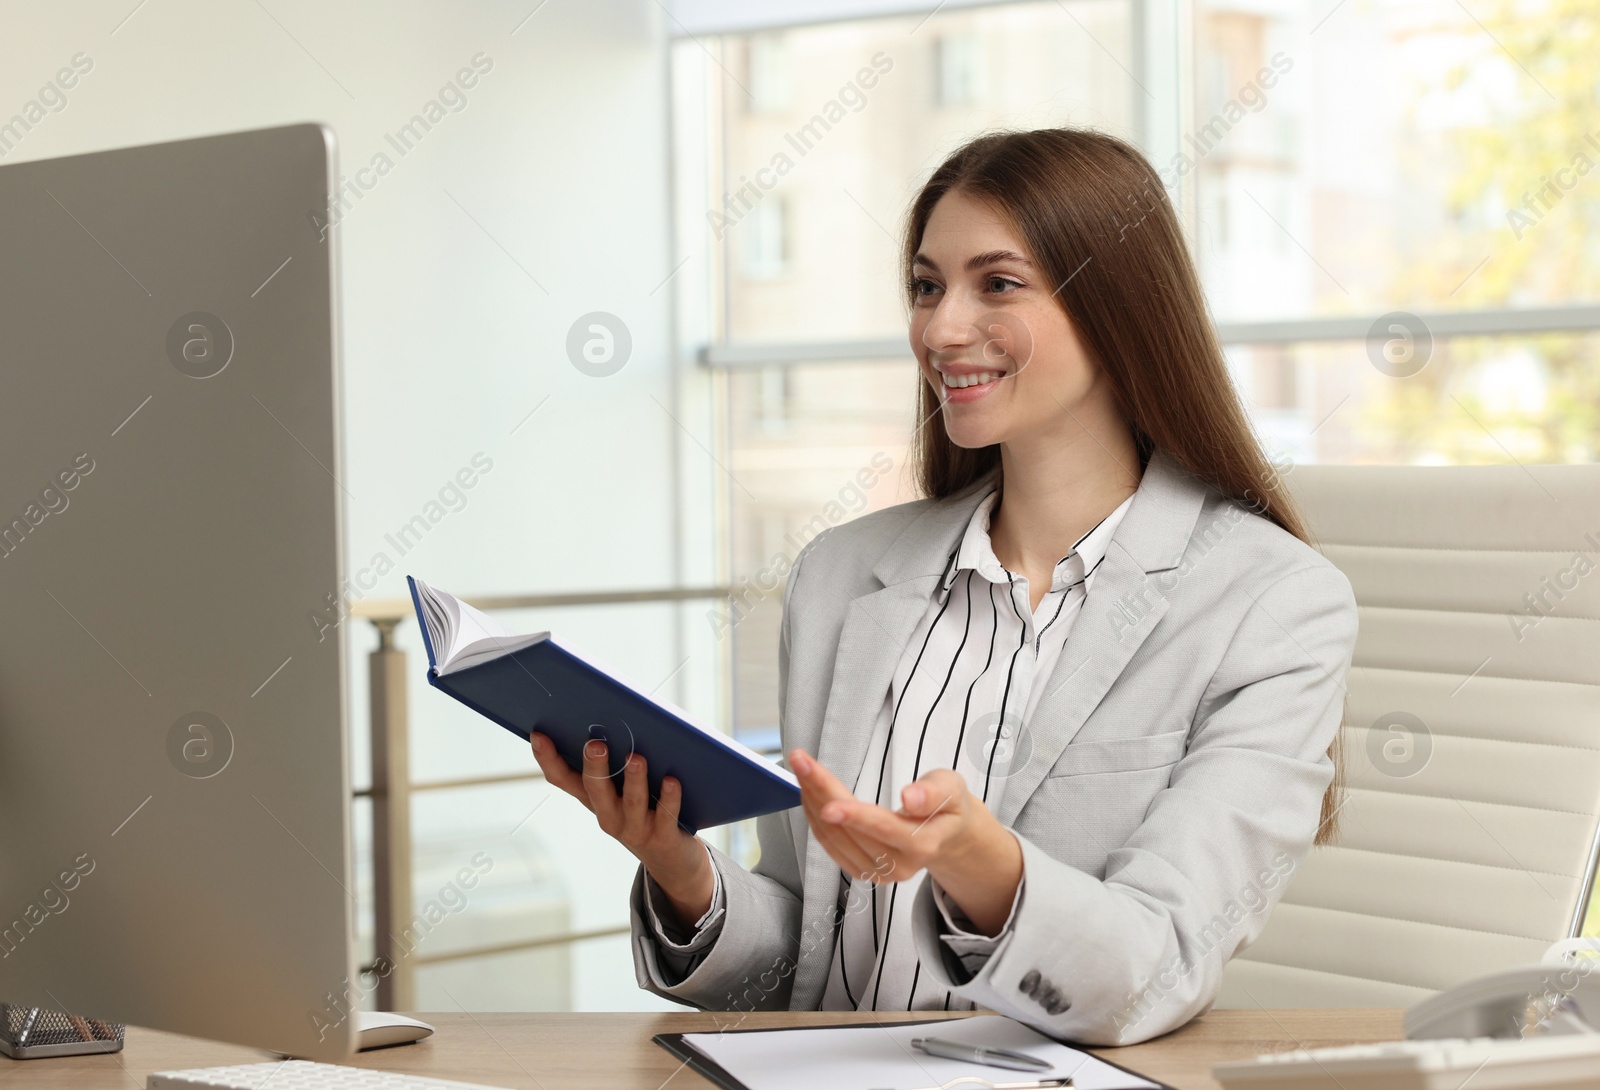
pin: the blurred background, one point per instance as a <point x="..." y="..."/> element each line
<point x="639" y="258"/>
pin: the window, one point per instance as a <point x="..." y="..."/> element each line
<point x="766" y="239"/>
<point x="1365" y="159"/>
<point x="861" y="129"/>
<point x="958" y="65"/>
<point x="768" y="77"/>
<point x="772" y="400"/>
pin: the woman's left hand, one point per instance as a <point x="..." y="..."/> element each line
<point x="942" y="828"/>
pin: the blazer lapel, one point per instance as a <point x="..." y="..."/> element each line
<point x="1121" y="610"/>
<point x="1093" y="658"/>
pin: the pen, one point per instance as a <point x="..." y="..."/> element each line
<point x="978" y="1054"/>
<point x="1063" y="1082"/>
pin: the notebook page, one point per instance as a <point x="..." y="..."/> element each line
<point x="870" y="1057"/>
<point x="467" y="626"/>
<point x="434" y="619"/>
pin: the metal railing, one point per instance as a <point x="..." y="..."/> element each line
<point x="392" y="787"/>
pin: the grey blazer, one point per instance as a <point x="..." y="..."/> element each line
<point x="1167" y="786"/>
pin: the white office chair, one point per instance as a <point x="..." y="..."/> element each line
<point x="1471" y="739"/>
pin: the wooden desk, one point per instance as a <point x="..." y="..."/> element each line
<point x="560" y="1051"/>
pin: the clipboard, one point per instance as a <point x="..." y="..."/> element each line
<point x="706" y="1067"/>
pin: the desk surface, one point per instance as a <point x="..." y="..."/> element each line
<point x="560" y="1051"/>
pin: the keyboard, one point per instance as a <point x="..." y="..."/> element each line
<point x="298" y="1075"/>
<point x="1481" y="1063"/>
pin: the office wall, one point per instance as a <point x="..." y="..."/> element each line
<point x="535" y="195"/>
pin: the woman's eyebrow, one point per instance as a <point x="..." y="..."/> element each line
<point x="978" y="261"/>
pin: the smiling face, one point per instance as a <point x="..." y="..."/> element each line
<point x="1000" y="353"/>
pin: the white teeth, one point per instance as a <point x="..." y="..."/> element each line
<point x="958" y="382"/>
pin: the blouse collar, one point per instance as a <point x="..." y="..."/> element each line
<point x="976" y="550"/>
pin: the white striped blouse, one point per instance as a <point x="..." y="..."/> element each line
<point x="968" y="681"/>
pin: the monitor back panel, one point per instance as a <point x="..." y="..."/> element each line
<point x="174" y="818"/>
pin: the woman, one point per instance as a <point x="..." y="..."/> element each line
<point x="1075" y="832"/>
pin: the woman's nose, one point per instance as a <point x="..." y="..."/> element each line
<point x="950" y="328"/>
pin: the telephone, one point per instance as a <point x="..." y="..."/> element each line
<point x="1560" y="995"/>
<point x="1533" y="1026"/>
<point x="1536" y="1027"/>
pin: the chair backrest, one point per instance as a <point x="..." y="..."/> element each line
<point x="1471" y="738"/>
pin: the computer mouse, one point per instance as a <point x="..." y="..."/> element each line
<point x="381" y="1029"/>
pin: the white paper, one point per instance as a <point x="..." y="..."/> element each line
<point x="880" y="1056"/>
<point x="472" y="625"/>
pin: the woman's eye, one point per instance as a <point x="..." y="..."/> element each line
<point x="922" y="288"/>
<point x="1001" y="284"/>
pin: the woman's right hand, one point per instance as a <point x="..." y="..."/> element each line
<point x="678" y="862"/>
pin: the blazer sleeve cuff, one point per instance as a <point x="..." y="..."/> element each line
<point x="958" y="935"/>
<point x="731" y="965"/>
<point x="1011" y="979"/>
<point x="664" y="925"/>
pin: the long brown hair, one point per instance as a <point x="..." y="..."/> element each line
<point x="1098" y="225"/>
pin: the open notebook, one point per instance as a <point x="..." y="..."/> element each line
<point x="536" y="682"/>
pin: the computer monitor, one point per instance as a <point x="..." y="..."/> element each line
<point x="174" y="803"/>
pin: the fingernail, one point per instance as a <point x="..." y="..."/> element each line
<point x="536" y="741"/>
<point x="913" y="796"/>
<point x="802" y="763"/>
<point x="833" y="815"/>
<point x="594" y="749"/>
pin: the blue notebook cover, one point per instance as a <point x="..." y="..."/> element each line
<point x="552" y="689"/>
